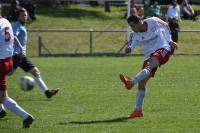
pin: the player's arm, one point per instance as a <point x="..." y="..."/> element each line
<point x="173" y="46"/>
<point x="131" y="44"/>
<point x="17" y="42"/>
<point x="16" y="31"/>
<point x="167" y="34"/>
<point x="160" y="21"/>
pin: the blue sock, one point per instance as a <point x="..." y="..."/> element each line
<point x="144" y="73"/>
<point x="140" y="99"/>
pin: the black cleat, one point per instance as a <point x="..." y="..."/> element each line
<point x="28" y="121"/>
<point x="2" y="114"/>
<point x="51" y="92"/>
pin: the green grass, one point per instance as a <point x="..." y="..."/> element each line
<point x="93" y="100"/>
<point x="79" y="17"/>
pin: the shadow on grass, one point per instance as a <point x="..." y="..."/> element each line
<point x="70" y="12"/>
<point x="122" y="119"/>
<point x="36" y="100"/>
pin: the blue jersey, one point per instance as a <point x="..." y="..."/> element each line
<point x="21" y="33"/>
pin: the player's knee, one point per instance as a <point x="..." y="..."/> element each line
<point x="35" y="71"/>
<point x="9" y="101"/>
<point x="141" y="85"/>
<point x="154" y="63"/>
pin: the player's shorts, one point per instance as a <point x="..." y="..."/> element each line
<point x="162" y="55"/>
<point x="24" y="63"/>
<point x="6" y="66"/>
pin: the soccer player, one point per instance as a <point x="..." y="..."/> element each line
<point x="6" y="65"/>
<point x="21" y="60"/>
<point x="153" y="36"/>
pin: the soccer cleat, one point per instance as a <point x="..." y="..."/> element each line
<point x="28" y="121"/>
<point x="2" y="114"/>
<point x="136" y="113"/>
<point x="51" y="92"/>
<point x="126" y="80"/>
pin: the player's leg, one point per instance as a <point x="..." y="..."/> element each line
<point x="6" y="67"/>
<point x="138" y="112"/>
<point x="148" y="66"/>
<point x="2" y="111"/>
<point x="28" y="66"/>
<point x="39" y="81"/>
<point x="161" y="56"/>
<point x="141" y="94"/>
<point x="16" y="61"/>
<point x="12" y="105"/>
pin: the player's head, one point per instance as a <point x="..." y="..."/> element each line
<point x="22" y="15"/>
<point x="174" y="3"/>
<point x="134" y="22"/>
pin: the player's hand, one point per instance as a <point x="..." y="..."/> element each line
<point x="127" y="50"/>
<point x="173" y="46"/>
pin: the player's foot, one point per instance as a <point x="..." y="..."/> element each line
<point x="28" y="121"/>
<point x="51" y="92"/>
<point x="2" y="114"/>
<point x="126" y="80"/>
<point x="136" y="113"/>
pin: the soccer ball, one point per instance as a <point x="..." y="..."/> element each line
<point x="26" y="83"/>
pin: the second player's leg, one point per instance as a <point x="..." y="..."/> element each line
<point x="43" y="87"/>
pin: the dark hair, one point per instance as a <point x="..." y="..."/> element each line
<point x="134" y="19"/>
<point x="21" y="10"/>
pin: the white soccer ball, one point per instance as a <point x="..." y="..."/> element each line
<point x="26" y="83"/>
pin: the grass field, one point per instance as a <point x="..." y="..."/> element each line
<point x="93" y="100"/>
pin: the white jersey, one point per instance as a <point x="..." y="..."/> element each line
<point x="6" y="39"/>
<point x="157" y="36"/>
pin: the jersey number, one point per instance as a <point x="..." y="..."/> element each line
<point x="7" y="34"/>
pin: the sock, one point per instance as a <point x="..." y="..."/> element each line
<point x="14" y="107"/>
<point x="43" y="87"/>
<point x="140" y="99"/>
<point x="144" y="73"/>
<point x="2" y="107"/>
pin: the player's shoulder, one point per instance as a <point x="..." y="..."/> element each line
<point x="4" y="21"/>
<point x="150" y="22"/>
<point x="153" y="19"/>
<point x="17" y="24"/>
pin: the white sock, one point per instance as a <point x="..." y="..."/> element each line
<point x="14" y="107"/>
<point x="43" y="87"/>
<point x="2" y="107"/>
<point x="144" y="73"/>
<point x="140" y="99"/>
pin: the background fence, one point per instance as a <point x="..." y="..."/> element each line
<point x="68" y="42"/>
